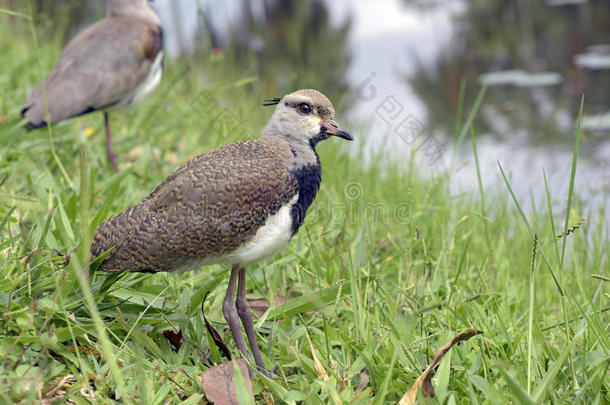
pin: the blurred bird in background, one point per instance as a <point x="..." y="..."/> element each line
<point x="112" y="64"/>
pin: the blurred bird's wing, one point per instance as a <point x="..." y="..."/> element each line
<point x="100" y="67"/>
<point x="206" y="209"/>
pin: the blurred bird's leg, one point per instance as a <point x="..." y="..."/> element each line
<point x="109" y="150"/>
<point x="243" y="309"/>
<point x="230" y="312"/>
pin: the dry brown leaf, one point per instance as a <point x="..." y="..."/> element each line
<point x="318" y="366"/>
<point x="219" y="382"/>
<point x="60" y="382"/>
<point x="259" y="307"/>
<point x="364" y="380"/>
<point x="423" y="382"/>
<point x="175" y="338"/>
<point x="58" y="391"/>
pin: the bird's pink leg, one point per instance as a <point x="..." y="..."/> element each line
<point x="109" y="150"/>
<point x="243" y="309"/>
<point x="230" y="312"/>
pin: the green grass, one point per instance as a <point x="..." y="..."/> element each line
<point x="388" y="267"/>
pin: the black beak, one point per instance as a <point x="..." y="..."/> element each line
<point x="332" y="128"/>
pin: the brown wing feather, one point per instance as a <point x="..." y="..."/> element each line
<point x="207" y="208"/>
<point x="99" y="67"/>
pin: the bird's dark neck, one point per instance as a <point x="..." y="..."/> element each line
<point x="309" y="176"/>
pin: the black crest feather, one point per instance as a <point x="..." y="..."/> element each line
<point x="272" y="101"/>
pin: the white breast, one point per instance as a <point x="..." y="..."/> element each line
<point x="151" y="81"/>
<point x="272" y="237"/>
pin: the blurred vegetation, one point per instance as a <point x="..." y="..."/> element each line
<point x="60" y="17"/>
<point x="295" y="46"/>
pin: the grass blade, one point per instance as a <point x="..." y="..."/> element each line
<point x="471" y="116"/>
<point x="529" y="228"/>
<point x="515" y="388"/>
<point x="545" y="384"/>
<point x="309" y="302"/>
<point x="532" y="306"/>
<point x="572" y="176"/>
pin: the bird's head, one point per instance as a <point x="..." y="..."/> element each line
<point x="133" y="8"/>
<point x="304" y="117"/>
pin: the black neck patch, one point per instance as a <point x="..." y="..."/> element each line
<point x="309" y="178"/>
<point x="320" y="136"/>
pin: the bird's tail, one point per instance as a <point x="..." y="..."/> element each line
<point x="31" y="123"/>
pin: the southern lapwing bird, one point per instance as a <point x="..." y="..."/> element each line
<point x="234" y="205"/>
<point x="112" y="64"/>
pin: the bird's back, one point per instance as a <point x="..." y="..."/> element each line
<point x="97" y="69"/>
<point x="201" y="213"/>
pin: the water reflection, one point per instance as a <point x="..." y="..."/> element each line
<point x="538" y="61"/>
<point x="529" y="47"/>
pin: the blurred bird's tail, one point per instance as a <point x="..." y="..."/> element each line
<point x="30" y="123"/>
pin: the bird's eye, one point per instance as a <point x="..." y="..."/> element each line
<point x="304" y="108"/>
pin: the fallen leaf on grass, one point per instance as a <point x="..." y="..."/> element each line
<point x="261" y="306"/>
<point x="219" y="382"/>
<point x="423" y="382"/>
<point x="58" y="390"/>
<point x="364" y="380"/>
<point x="318" y="366"/>
<point x="175" y="338"/>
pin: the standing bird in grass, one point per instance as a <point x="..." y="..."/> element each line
<point x="112" y="64"/>
<point x="233" y="205"/>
